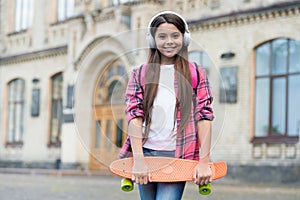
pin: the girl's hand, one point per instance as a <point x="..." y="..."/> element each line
<point x="140" y="171"/>
<point x="203" y="174"/>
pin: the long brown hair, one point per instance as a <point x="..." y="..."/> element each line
<point x="182" y="73"/>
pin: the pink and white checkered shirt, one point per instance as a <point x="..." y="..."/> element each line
<point x="187" y="143"/>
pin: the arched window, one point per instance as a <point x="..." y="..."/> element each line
<point x="15" y="118"/>
<point x="56" y="120"/>
<point x="111" y="85"/>
<point x="277" y="91"/>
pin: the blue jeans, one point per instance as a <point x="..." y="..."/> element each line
<point x="161" y="191"/>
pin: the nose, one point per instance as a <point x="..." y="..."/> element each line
<point x="170" y="40"/>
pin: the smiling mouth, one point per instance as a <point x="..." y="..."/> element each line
<point x="170" y="49"/>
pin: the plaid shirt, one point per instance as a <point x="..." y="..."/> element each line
<point x="187" y="143"/>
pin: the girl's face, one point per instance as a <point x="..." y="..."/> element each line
<point x="168" y="41"/>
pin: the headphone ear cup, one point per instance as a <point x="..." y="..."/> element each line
<point x="150" y="40"/>
<point x="186" y="39"/>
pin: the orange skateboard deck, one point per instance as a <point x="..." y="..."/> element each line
<point x="163" y="169"/>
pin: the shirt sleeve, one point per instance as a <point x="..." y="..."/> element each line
<point x="204" y="98"/>
<point x="134" y="97"/>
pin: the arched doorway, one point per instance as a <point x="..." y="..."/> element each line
<point x="108" y="128"/>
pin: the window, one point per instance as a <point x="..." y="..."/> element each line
<point x="228" y="84"/>
<point x="23" y="14"/>
<point x="56" y="110"/>
<point x="119" y="138"/>
<point x="112" y="85"/>
<point x="277" y="91"/>
<point x="201" y="58"/>
<point x="65" y="9"/>
<point x="15" y="122"/>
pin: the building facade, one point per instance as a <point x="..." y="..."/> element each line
<point x="64" y="67"/>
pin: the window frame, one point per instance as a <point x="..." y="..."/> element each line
<point x="23" y="15"/>
<point x="15" y="101"/>
<point x="59" y="112"/>
<point x="64" y="10"/>
<point x="271" y="137"/>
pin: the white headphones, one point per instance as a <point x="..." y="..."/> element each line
<point x="186" y="35"/>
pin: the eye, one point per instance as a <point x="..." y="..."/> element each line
<point x="176" y="35"/>
<point x="161" y="36"/>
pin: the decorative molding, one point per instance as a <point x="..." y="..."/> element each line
<point x="88" y="49"/>
<point x="258" y="151"/>
<point x="105" y="15"/>
<point x="36" y="55"/>
<point x="247" y="16"/>
<point x="68" y="20"/>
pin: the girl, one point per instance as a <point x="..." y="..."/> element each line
<point x="162" y="118"/>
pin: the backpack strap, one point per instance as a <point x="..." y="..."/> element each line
<point x="194" y="74"/>
<point x="195" y="82"/>
<point x="142" y="70"/>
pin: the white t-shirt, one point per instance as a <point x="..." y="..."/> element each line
<point x="162" y="134"/>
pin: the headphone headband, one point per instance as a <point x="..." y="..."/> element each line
<point x="186" y="35"/>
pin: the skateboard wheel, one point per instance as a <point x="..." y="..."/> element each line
<point x="205" y="189"/>
<point x="126" y="185"/>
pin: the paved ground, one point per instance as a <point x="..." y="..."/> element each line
<point x="55" y="187"/>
